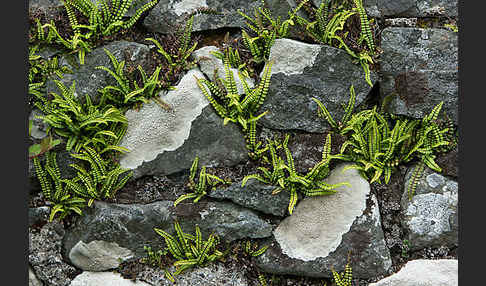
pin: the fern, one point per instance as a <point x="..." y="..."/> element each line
<point x="416" y="175"/>
<point x="366" y="34"/>
<point x="252" y="249"/>
<point x="344" y="279"/>
<point x="323" y="112"/>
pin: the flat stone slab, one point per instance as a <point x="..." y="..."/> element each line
<point x="104" y="279"/>
<point x="422" y="272"/>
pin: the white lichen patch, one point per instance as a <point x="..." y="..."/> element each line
<point x="428" y="214"/>
<point x="153" y="130"/>
<point x="187" y="6"/>
<point x="317" y="224"/>
<point x="104" y="279"/>
<point x="292" y="57"/>
<point x="98" y="255"/>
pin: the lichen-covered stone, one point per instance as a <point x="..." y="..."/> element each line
<point x="98" y="255"/>
<point x="417" y="8"/>
<point x="104" y="279"/>
<point x="443" y="272"/>
<point x="430" y="219"/>
<point x="302" y="71"/>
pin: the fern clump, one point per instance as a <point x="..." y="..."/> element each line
<point x="343" y="279"/>
<point x="190" y="250"/>
<point x="200" y="188"/>
<point x="100" y="127"/>
<point x="285" y="176"/>
<point x="54" y="189"/>
<point x="252" y="249"/>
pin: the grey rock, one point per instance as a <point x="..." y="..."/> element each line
<point x="89" y="79"/>
<point x="45" y="5"/>
<point x="166" y="14"/>
<point x="417" y="8"/>
<point x="38" y="130"/>
<point x="255" y="195"/>
<point x="319" y="236"/>
<point x="45" y="255"/>
<point x="302" y="71"/>
<point x="420" y="69"/>
<point x="103" y="279"/>
<point x="33" y="281"/>
<point x="98" y="255"/>
<point x="38" y="215"/>
<point x="430" y="219"/>
<point x="130" y="227"/>
<point x="424" y="272"/>
<point x="401" y="22"/>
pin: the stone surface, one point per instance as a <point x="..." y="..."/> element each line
<point x="89" y="79"/>
<point x="417" y="8"/>
<point x="255" y="195"/>
<point x="323" y="72"/>
<point x="166" y="14"/>
<point x="431" y="218"/>
<point x="130" y="227"/>
<point x="216" y="145"/>
<point x="45" y="5"/>
<point x="33" y="281"/>
<point x="98" y="255"/>
<point x="310" y="246"/>
<point x="38" y="130"/>
<point x="443" y="272"/>
<point x="103" y="279"/>
<point x="38" y="215"/>
<point x="420" y="69"/>
<point x="45" y="255"/>
<point x="208" y="63"/>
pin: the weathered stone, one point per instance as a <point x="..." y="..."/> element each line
<point x="443" y="272"/>
<point x="322" y="230"/>
<point x="420" y="68"/>
<point x="104" y="279"/>
<point x="38" y="130"/>
<point x="33" y="281"/>
<point x="45" y="5"/>
<point x="89" y="79"/>
<point x="417" y="8"/>
<point x="121" y="231"/>
<point x="208" y="63"/>
<point x="166" y="14"/>
<point x="45" y="255"/>
<point x="255" y="195"/>
<point x="430" y="219"/>
<point x="308" y="71"/>
<point x="38" y="215"/>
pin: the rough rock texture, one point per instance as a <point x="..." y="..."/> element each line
<point x="443" y="272"/>
<point x="33" y="281"/>
<point x="167" y="13"/>
<point x="45" y="255"/>
<point x="89" y="79"/>
<point x="208" y="63"/>
<point x="431" y="218"/>
<point x="216" y="145"/>
<point x="420" y="69"/>
<point x="313" y="251"/>
<point x="38" y="215"/>
<point x="131" y="227"/>
<point x="153" y="130"/>
<point x="98" y="255"/>
<point x="214" y="274"/>
<point x="417" y="8"/>
<point x="323" y="72"/>
<point x="104" y="279"/>
<point x="255" y="195"/>
<point x="45" y="5"/>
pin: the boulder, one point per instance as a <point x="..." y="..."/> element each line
<point x="424" y="272"/>
<point x="430" y="219"/>
<point x="109" y="234"/>
<point x="104" y="279"/>
<point x="302" y="71"/>
<point x="323" y="230"/>
<point x="417" y="8"/>
<point x="420" y="69"/>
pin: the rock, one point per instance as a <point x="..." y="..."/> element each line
<point x="208" y="63"/>
<point x="33" y="281"/>
<point x="213" y="274"/>
<point x="109" y="234"/>
<point x="103" y="279"/>
<point x="302" y="71"/>
<point x="417" y="8"/>
<point x="45" y="255"/>
<point x="420" y="68"/>
<point x="38" y="130"/>
<point x="45" y="5"/>
<point x="255" y="195"/>
<point x="38" y="215"/>
<point x="89" y="79"/>
<point x="431" y="218"/>
<point x="166" y="15"/>
<point x="424" y="272"/>
<point x="449" y="163"/>
<point x="323" y="230"/>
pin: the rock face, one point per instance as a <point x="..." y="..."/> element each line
<point x="255" y="195"/>
<point x="431" y="218"/>
<point x="110" y="233"/>
<point x="323" y="72"/>
<point x="417" y="8"/>
<point x="89" y="79"/>
<point x="322" y="230"/>
<point x="166" y="14"/>
<point x="420" y="68"/>
<point x="104" y="279"/>
<point x="45" y="255"/>
<point x="33" y="281"/>
<point x="423" y="272"/>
